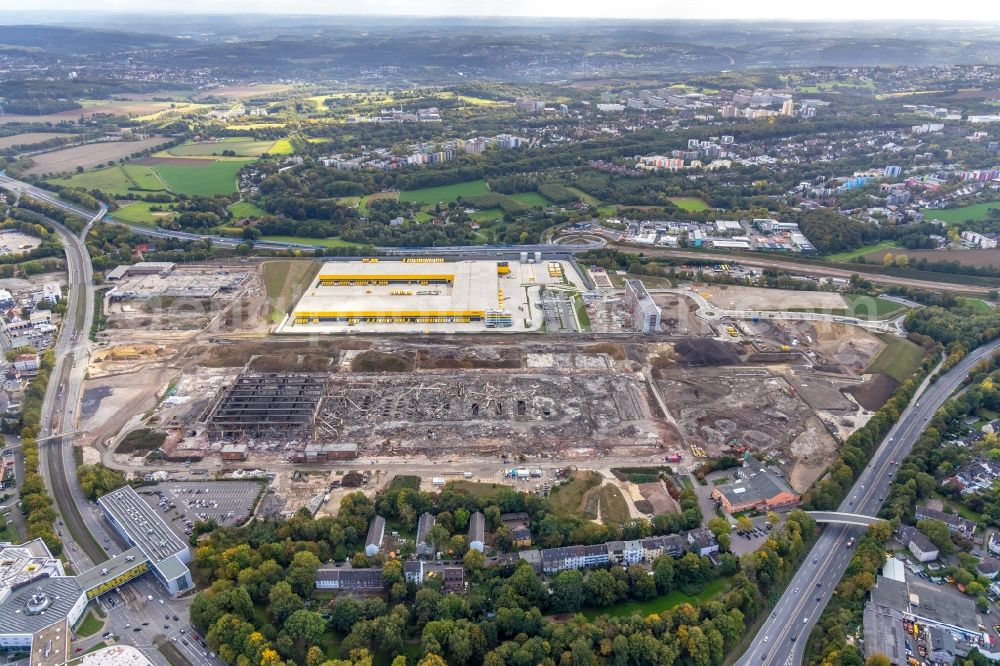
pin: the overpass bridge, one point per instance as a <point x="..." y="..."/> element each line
<point x="837" y="518"/>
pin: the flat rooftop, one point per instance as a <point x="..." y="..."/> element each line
<point x="458" y="286"/>
<point x="142" y="524"/>
<point x="35" y="606"/>
<point x="110" y="569"/>
<point x="50" y="646"/>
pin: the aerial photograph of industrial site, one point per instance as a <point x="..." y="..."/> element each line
<point x="500" y="335"/>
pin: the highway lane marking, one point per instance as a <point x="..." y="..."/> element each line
<point x="799" y="607"/>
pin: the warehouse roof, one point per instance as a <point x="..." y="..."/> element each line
<point x="473" y="286"/>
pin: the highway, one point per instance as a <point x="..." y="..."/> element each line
<point x="781" y="640"/>
<point x="79" y="525"/>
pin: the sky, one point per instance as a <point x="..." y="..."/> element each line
<point x="983" y="10"/>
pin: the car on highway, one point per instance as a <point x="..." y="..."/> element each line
<point x="805" y="620"/>
<point x="765" y="638"/>
<point x="850" y="542"/>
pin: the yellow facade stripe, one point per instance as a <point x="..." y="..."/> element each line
<point x="414" y="277"/>
<point x="325" y="314"/>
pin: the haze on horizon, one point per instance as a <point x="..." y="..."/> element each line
<point x="852" y="10"/>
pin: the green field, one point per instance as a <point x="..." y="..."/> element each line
<point x="433" y="195"/>
<point x="90" y="625"/>
<point x="861" y="251"/>
<point x="475" y="488"/>
<point x="115" y="180"/>
<point x="214" y="177"/>
<point x="284" y="282"/>
<point x="584" y="197"/>
<point x="281" y="147"/>
<point x="860" y="306"/>
<point x="243" y="146"/>
<point x="957" y="215"/>
<point x="690" y="204"/>
<point x="138" y="212"/>
<point x="976" y="305"/>
<point x="655" y="606"/>
<point x="487" y="214"/>
<point x="318" y="242"/>
<point x="567" y="497"/>
<point x="614" y="508"/>
<point x="899" y="359"/>
<point x="608" y="211"/>
<point x="531" y="199"/>
<point x="246" y="209"/>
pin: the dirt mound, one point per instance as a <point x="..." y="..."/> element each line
<point x="706" y="352"/>
<point x="873" y="393"/>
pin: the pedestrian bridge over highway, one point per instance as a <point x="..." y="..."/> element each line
<point x="838" y="518"/>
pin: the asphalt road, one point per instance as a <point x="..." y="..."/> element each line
<point x="781" y="640"/>
<point x="79" y="527"/>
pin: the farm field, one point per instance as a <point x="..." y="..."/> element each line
<point x="200" y="176"/>
<point x="118" y="180"/>
<point x="967" y="257"/>
<point x="690" y="204"/>
<point x="138" y="212"/>
<point x="899" y="358"/>
<point x="242" y="146"/>
<point x="445" y="193"/>
<point x="978" y="211"/>
<point x="242" y="92"/>
<point x="29" y="138"/>
<point x="91" y="107"/>
<point x="281" y="147"/>
<point x="861" y="251"/>
<point x="89" y="155"/>
<point x="531" y="199"/>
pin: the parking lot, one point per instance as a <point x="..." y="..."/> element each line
<point x="557" y="309"/>
<point x="184" y="503"/>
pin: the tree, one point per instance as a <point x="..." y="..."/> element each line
<point x="473" y="561"/>
<point x="600" y="588"/>
<point x="938" y="533"/>
<point x="567" y="591"/>
<point x="284" y="602"/>
<point x="663" y="574"/>
<point x="878" y="659"/>
<point x="887" y="259"/>
<point x="744" y="524"/>
<point x="719" y="526"/>
<point x="343" y="614"/>
<point x="306" y="626"/>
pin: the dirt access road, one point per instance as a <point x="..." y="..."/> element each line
<point x="807" y="269"/>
